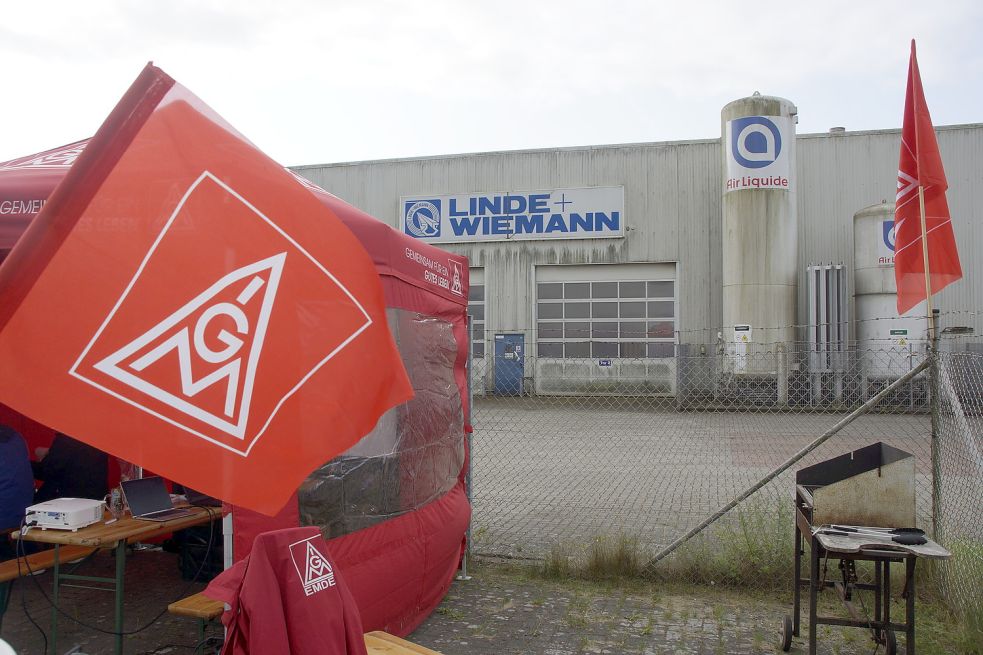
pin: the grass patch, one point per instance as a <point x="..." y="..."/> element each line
<point x="751" y="551"/>
<point x="558" y="564"/>
<point x="750" y="548"/>
<point x="960" y="580"/>
<point x="613" y="558"/>
<point x="606" y="558"/>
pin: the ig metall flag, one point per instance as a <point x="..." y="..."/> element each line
<point x="925" y="256"/>
<point x="185" y="303"/>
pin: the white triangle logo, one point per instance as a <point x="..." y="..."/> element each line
<point x="317" y="565"/>
<point x="906" y="184"/>
<point x="182" y="337"/>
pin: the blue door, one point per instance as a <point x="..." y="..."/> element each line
<point x="509" y="351"/>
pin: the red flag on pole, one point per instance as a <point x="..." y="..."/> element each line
<point x="920" y="166"/>
<point x="183" y="302"/>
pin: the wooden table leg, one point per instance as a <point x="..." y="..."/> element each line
<point x="120" y="570"/>
<point x="56" y="580"/>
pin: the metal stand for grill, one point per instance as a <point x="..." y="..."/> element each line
<point x="865" y="473"/>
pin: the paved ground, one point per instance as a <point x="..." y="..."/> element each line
<point x="500" y="611"/>
<point x="560" y="470"/>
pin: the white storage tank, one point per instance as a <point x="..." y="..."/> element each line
<point x="760" y="231"/>
<point x="890" y="344"/>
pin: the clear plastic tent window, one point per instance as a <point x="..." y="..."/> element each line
<point x="416" y="450"/>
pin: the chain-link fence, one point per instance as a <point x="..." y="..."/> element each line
<point x="959" y="480"/>
<point x="641" y="450"/>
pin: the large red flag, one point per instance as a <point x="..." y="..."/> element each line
<point x="921" y="166"/>
<point x="184" y="303"/>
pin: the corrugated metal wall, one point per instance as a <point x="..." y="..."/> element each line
<point x="673" y="211"/>
<point x="839" y="175"/>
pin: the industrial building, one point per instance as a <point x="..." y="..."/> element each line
<point x="598" y="263"/>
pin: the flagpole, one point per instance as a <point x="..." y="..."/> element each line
<point x="928" y="283"/>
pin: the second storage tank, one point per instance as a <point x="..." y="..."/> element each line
<point x="890" y="345"/>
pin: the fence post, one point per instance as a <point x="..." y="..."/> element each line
<point x="933" y="376"/>
<point x="783" y="373"/>
<point x="468" y="368"/>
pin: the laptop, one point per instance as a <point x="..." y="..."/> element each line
<point x="148" y="499"/>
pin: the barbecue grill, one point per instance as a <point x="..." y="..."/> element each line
<point x="858" y="507"/>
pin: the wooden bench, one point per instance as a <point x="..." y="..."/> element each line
<point x="44" y="559"/>
<point x="383" y="643"/>
<point x="200" y="607"/>
<point x="204" y="609"/>
<point x="25" y="565"/>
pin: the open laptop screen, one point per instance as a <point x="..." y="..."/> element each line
<point x="146" y="495"/>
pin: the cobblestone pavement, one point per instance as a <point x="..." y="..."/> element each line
<point x="498" y="612"/>
<point x="152" y="581"/>
<point x="502" y="613"/>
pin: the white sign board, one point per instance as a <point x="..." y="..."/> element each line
<point x="757" y="150"/>
<point x="582" y="213"/>
<point x="742" y="339"/>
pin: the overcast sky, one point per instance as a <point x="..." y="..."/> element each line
<point x="318" y="82"/>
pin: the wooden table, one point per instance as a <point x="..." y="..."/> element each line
<point x="115" y="535"/>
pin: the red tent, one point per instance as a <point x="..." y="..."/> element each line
<point x="393" y="507"/>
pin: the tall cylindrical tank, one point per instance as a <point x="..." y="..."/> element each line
<point x="760" y="231"/>
<point x="890" y="344"/>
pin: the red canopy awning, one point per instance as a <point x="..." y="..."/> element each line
<point x="27" y="182"/>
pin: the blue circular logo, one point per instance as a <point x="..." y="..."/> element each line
<point x="423" y="219"/>
<point x="889" y="234"/>
<point x="755" y="141"/>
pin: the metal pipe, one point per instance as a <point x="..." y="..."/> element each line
<point x="934" y="386"/>
<point x="849" y="418"/>
<point x="468" y="365"/>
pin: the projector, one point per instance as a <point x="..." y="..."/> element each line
<point x="64" y="513"/>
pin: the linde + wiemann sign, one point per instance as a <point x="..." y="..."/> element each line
<point x="757" y="150"/>
<point x="584" y="213"/>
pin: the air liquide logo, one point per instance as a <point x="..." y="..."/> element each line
<point x="755" y="141"/>
<point x="887" y="230"/>
<point x="312" y="567"/>
<point x="187" y="340"/>
<point x="757" y="152"/>
<point x="885" y="254"/>
<point x="422" y="218"/>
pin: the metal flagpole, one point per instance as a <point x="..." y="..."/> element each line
<point x="933" y="355"/>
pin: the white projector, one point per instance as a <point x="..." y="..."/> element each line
<point x="64" y="513"/>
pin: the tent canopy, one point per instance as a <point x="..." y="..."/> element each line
<point x="27" y="182"/>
